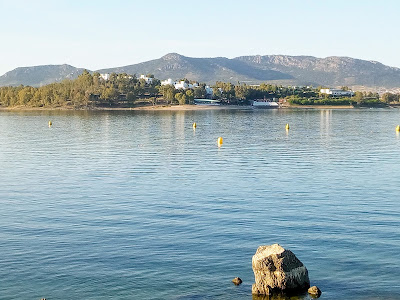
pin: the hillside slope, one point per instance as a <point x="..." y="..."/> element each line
<point x="279" y="69"/>
<point x="329" y="71"/>
<point x="39" y="75"/>
<point x="208" y="70"/>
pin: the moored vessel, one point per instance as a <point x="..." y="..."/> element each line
<point x="263" y="103"/>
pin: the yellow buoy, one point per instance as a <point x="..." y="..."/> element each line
<point x="50" y="123"/>
<point x="220" y="141"/>
<point x="194" y="125"/>
<point x="398" y="128"/>
<point x="287" y="126"/>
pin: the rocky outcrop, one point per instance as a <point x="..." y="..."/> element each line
<point x="278" y="270"/>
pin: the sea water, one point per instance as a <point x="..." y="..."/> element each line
<point x="139" y="205"/>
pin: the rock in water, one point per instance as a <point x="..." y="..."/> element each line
<point x="237" y="280"/>
<point x="278" y="270"/>
<point x="314" y="291"/>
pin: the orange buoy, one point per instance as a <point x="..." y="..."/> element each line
<point x="220" y="141"/>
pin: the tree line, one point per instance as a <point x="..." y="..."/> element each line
<point x="124" y="90"/>
<point x="358" y="99"/>
<point x="85" y="91"/>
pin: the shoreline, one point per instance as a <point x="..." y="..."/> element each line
<point x="320" y="107"/>
<point x="185" y="107"/>
<point x="146" y="108"/>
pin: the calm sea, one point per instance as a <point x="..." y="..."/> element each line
<point x="138" y="205"/>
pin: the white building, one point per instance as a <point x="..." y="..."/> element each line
<point x="181" y="85"/>
<point x="105" y="76"/>
<point x="337" y="93"/>
<point x="167" y="82"/>
<point x="148" y="80"/>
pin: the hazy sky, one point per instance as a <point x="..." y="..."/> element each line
<point x="99" y="34"/>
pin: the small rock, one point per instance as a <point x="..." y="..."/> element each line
<point x="314" y="291"/>
<point x="237" y="281"/>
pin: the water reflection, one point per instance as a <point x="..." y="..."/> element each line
<point x="325" y="123"/>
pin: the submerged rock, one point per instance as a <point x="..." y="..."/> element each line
<point x="278" y="270"/>
<point x="237" y="280"/>
<point x="314" y="291"/>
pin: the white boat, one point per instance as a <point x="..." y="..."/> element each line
<point x="206" y="102"/>
<point x="263" y="103"/>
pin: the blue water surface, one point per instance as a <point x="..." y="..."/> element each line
<point x="138" y="205"/>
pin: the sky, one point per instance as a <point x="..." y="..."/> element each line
<point x="101" y="34"/>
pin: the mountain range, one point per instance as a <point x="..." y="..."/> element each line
<point x="277" y="69"/>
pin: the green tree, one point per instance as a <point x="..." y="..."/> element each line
<point x="217" y="94"/>
<point x="199" y="92"/>
<point x="25" y="95"/>
<point x="388" y="98"/>
<point x="189" y="96"/>
<point x="168" y="92"/>
<point x="181" y="98"/>
<point x="109" y="93"/>
<point x="130" y="97"/>
<point x="241" y="92"/>
<point x="358" y="97"/>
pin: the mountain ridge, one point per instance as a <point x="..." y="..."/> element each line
<point x="253" y="69"/>
<point x="39" y="75"/>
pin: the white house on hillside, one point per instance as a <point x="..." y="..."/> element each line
<point x="336" y="92"/>
<point x="105" y="76"/>
<point x="148" y="80"/>
<point x="167" y="82"/>
<point x="181" y="85"/>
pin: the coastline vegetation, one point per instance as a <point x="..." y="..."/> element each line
<point x="125" y="91"/>
<point x="359" y="100"/>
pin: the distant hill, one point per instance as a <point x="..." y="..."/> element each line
<point x="278" y="69"/>
<point x="39" y="75"/>
<point x="207" y="70"/>
<point x="330" y="71"/>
